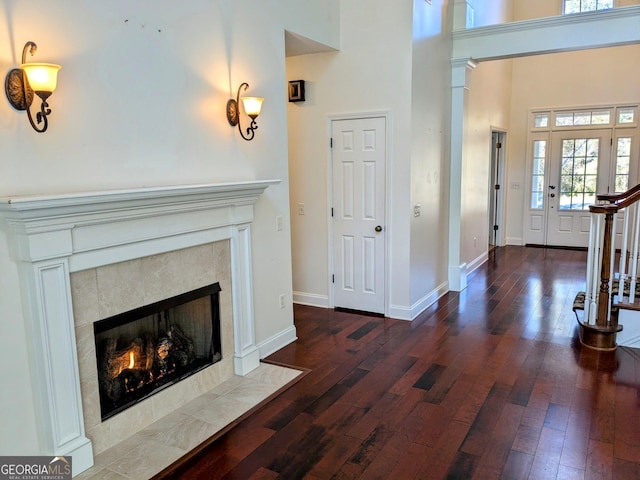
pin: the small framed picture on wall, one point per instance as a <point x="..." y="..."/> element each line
<point x="296" y="91"/>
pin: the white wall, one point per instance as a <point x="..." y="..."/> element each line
<point x="371" y="72"/>
<point x="585" y="78"/>
<point x="407" y="72"/>
<point x="140" y="102"/>
<point x="431" y="100"/>
<point x="489" y="106"/>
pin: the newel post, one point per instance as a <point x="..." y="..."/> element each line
<point x="602" y="318"/>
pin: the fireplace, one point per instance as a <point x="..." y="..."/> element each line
<point x="143" y="351"/>
<point x="109" y="239"/>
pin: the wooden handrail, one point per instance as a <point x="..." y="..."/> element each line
<point x="614" y="197"/>
<point x="622" y="202"/>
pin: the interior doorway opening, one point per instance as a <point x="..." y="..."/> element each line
<point x="496" y="190"/>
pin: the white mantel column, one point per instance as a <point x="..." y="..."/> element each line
<point x="44" y="277"/>
<point x="247" y="356"/>
<point x="460" y="73"/>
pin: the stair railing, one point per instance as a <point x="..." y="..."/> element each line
<point x="601" y="267"/>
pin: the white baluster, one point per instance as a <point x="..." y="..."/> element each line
<point x="595" y="271"/>
<point x="612" y="259"/>
<point x="622" y="268"/>
<point x="634" y="267"/>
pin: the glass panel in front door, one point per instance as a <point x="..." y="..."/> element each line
<point x="579" y="173"/>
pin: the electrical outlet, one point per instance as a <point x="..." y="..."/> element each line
<point x="416" y="210"/>
<point x="515" y="185"/>
<point x="282" y="301"/>
<point x="278" y="223"/>
<point x="301" y="209"/>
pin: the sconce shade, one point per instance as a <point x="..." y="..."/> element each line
<point x="42" y="77"/>
<point x="252" y="105"/>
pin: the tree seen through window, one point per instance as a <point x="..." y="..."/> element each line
<point x="579" y="173"/>
<point x="577" y="6"/>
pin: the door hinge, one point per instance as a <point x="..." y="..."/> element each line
<point x="331" y="142"/>
<point x="332" y="211"/>
<point x="498" y="145"/>
<point x="497" y="187"/>
<point x="495" y="228"/>
<point x="611" y="141"/>
<point x="333" y="279"/>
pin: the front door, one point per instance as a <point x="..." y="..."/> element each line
<point x="573" y="157"/>
<point x="359" y="233"/>
<point x="580" y="168"/>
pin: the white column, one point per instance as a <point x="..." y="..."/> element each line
<point x="460" y="73"/>
<point x="246" y="356"/>
<point x="44" y="271"/>
<point x="463" y="15"/>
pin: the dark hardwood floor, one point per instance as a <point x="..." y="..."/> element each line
<point x="488" y="383"/>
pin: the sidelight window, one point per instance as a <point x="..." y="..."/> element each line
<point x="537" y="176"/>
<point x="623" y="164"/>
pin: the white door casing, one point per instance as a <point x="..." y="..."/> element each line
<point x="358" y="203"/>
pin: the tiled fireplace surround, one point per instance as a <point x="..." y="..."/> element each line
<point x="84" y="257"/>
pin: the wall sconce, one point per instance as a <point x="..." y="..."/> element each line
<point x="252" y="107"/>
<point x="39" y="78"/>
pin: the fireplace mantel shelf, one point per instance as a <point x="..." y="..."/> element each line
<point x="74" y="207"/>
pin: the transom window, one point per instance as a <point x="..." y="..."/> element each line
<point x="583" y="118"/>
<point x="577" y="6"/>
<point x="626" y="116"/>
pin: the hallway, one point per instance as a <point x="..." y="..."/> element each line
<point x="488" y="383"/>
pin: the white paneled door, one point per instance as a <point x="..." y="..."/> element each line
<point x="359" y="232"/>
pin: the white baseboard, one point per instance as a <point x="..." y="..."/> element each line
<point x="514" y="241"/>
<point x="477" y="262"/>
<point x="278" y="341"/>
<point x="410" y="313"/>
<point x="311" y="299"/>
<point x="630" y="334"/>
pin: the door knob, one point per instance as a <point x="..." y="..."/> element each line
<point x="552" y="187"/>
<point x="552" y="195"/>
<point x="378" y="228"/>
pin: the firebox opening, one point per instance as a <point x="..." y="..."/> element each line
<point x="143" y="351"/>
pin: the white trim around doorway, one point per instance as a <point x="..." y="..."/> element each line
<point x="387" y="115"/>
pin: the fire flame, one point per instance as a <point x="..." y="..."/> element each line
<point x="131" y="360"/>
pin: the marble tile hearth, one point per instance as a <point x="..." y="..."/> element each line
<point x="160" y="444"/>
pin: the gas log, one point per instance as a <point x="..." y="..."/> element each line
<point x="143" y="361"/>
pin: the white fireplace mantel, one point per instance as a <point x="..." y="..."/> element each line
<point x="52" y="236"/>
